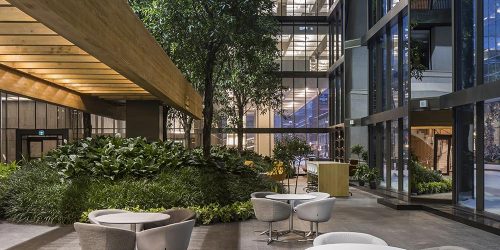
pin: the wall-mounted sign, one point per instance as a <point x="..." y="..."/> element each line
<point x="41" y="132"/>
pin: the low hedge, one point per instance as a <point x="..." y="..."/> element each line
<point x="208" y="214"/>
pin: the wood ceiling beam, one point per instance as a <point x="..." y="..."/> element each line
<point x="48" y="58"/>
<point x="41" y="50"/>
<point x="92" y="77"/>
<point x="97" y="85"/>
<point x="25" y="29"/>
<point x="90" y="81"/>
<point x="33" y="40"/>
<point x="26" y="85"/>
<point x="13" y="14"/>
<point x="55" y="65"/>
<point x="118" y="39"/>
<point x="71" y="71"/>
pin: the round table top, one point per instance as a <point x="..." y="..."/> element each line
<point x="351" y="246"/>
<point x="290" y="196"/>
<point x="132" y="218"/>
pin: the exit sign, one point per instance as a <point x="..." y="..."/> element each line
<point x="41" y="132"/>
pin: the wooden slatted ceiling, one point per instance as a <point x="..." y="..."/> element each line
<point x="32" y="47"/>
<point x="60" y="40"/>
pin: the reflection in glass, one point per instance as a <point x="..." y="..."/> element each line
<point x="394" y="43"/>
<point x="394" y="154"/>
<point x="465" y="155"/>
<point x="466" y="37"/>
<point x="492" y="156"/>
<point x="491" y="40"/>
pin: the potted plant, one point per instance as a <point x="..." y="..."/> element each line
<point x="373" y="177"/>
<point x="353" y="163"/>
<point x="361" y="174"/>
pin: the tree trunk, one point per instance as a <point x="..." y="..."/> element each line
<point x="166" y="109"/>
<point x="188" y="124"/>
<point x="239" y="128"/>
<point x="208" y="108"/>
<point x="297" y="175"/>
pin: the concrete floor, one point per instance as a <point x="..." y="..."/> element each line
<point x="359" y="213"/>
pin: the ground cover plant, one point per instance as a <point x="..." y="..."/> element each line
<point x="107" y="172"/>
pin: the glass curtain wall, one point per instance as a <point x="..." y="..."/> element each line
<point x="389" y="90"/>
<point x="305" y="48"/>
<point x="302" y="7"/>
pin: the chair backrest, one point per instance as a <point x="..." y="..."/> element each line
<point x="93" y="236"/>
<point x="317" y="195"/>
<point x="348" y="237"/>
<point x="261" y="194"/>
<point x="96" y="213"/>
<point x="270" y="210"/>
<point x="171" y="237"/>
<point x="176" y="215"/>
<point x="316" y="211"/>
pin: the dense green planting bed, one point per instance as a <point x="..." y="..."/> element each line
<point x="427" y="181"/>
<point x="132" y="174"/>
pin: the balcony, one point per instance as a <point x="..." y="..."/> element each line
<point x="428" y="13"/>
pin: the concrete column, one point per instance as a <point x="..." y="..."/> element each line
<point x="143" y="119"/>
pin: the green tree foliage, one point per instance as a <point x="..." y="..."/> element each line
<point x="250" y="80"/>
<point x="292" y="151"/>
<point x="198" y="36"/>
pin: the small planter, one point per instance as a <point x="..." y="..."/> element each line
<point x="361" y="183"/>
<point x="373" y="185"/>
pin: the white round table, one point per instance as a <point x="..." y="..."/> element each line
<point x="132" y="218"/>
<point x="292" y="198"/>
<point x="351" y="246"/>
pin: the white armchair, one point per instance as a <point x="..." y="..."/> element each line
<point x="270" y="211"/>
<point x="348" y="237"/>
<point x="94" y="236"/>
<point x="316" y="211"/>
<point x="171" y="237"/>
<point x="96" y="213"/>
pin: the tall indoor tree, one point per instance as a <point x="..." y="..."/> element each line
<point x="197" y="36"/>
<point x="251" y="84"/>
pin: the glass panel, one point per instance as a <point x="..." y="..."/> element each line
<point x="287" y="105"/>
<point x="492" y="156"/>
<point x="26" y="113"/>
<point x="51" y="116"/>
<point x="12" y="112"/>
<point x="382" y="153"/>
<point x="465" y="153"/>
<point x="394" y="66"/>
<point x="491" y="40"/>
<point x="406" y="84"/>
<point x="394" y="154"/>
<point x="406" y="153"/>
<point x="299" y="103"/>
<point x="465" y="47"/>
<point x="311" y="102"/>
<point x="323" y="103"/>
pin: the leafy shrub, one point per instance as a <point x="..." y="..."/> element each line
<point x="434" y="187"/>
<point x="362" y="171"/>
<point x="115" y="158"/>
<point x="48" y="191"/>
<point x="207" y="214"/>
<point x="427" y="181"/>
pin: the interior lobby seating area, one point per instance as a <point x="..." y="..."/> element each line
<point x="263" y="124"/>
